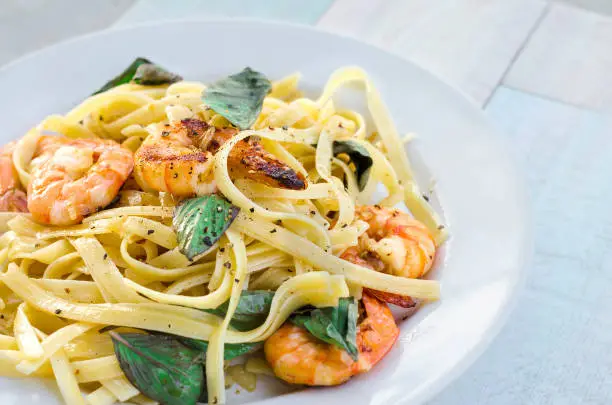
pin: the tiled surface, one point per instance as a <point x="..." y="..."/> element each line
<point x="302" y="11"/>
<point x="554" y="349"/>
<point x="569" y="58"/>
<point x="444" y="36"/>
<point x="27" y="25"/>
<point x="599" y="6"/>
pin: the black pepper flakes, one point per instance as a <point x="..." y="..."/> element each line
<point x="236" y="280"/>
<point x="227" y="265"/>
<point x="285" y="127"/>
<point x="251" y="210"/>
<point x="278" y="222"/>
<point x="221" y="250"/>
<point x="440" y="227"/>
<point x="273" y="231"/>
<point x="105" y="256"/>
<point x="150" y="231"/>
<point x="58" y="311"/>
<point x="165" y="133"/>
<point x="426" y="197"/>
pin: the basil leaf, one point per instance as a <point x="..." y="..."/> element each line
<point x="230" y="350"/>
<point x="200" y="222"/>
<point x="123" y="77"/>
<point x="145" y="69"/>
<point x="161" y="367"/>
<point x="359" y="157"/>
<point x="333" y="325"/>
<point x="238" y="97"/>
<point x="150" y="74"/>
<point x="251" y="311"/>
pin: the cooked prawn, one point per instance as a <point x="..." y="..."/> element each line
<point x="178" y="159"/>
<point x="298" y="357"/>
<point x="12" y="197"/>
<point x="395" y="243"/>
<point x="72" y="178"/>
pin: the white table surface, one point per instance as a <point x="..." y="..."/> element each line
<point x="543" y="72"/>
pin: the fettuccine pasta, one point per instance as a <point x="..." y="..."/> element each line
<point x="158" y="211"/>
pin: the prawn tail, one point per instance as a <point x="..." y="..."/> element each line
<point x="391" y="298"/>
<point x="14" y="201"/>
<point x="377" y="333"/>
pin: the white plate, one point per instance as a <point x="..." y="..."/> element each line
<point x="483" y="201"/>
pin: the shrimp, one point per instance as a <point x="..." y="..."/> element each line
<point x="12" y="198"/>
<point x="297" y="357"/>
<point x="395" y="243"/>
<point x="178" y="159"/>
<point x="72" y="178"/>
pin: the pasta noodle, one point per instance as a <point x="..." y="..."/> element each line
<point x="65" y="289"/>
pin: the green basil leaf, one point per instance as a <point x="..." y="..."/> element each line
<point x="238" y="97"/>
<point x="200" y="222"/>
<point x="150" y="74"/>
<point x="333" y="325"/>
<point x="123" y="77"/>
<point x="251" y="311"/>
<point x="143" y="70"/>
<point x="359" y="157"/>
<point x="161" y="367"/>
<point x="230" y="350"/>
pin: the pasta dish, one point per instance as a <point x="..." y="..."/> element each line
<point x="167" y="239"/>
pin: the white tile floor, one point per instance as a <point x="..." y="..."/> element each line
<point x="568" y="58"/>
<point x="26" y="25"/>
